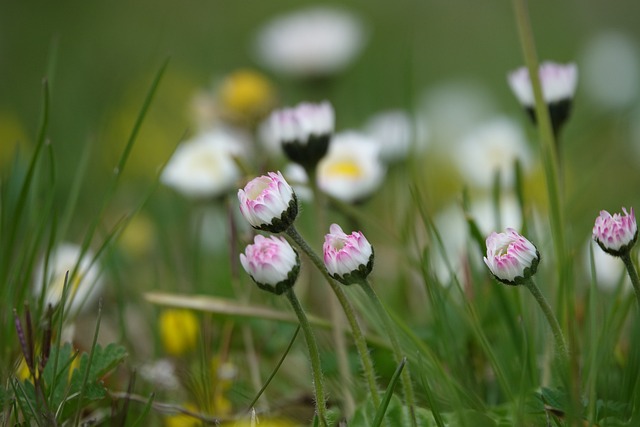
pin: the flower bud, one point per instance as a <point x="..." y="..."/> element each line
<point x="558" y="87"/>
<point x="272" y="263"/>
<point x="615" y="234"/>
<point x="268" y="203"/>
<point x="304" y="131"/>
<point x="348" y="258"/>
<point x="511" y="258"/>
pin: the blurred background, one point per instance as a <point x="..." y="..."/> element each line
<point x="443" y="62"/>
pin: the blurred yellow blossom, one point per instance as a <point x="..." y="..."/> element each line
<point x="246" y="96"/>
<point x="182" y="420"/>
<point x="179" y="330"/>
<point x="137" y="239"/>
<point x="13" y="137"/>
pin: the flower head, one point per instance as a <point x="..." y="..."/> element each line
<point x="84" y="280"/>
<point x="617" y="233"/>
<point x="511" y="258"/>
<point x="268" y="203"/>
<point x="393" y="131"/>
<point x="179" y="331"/>
<point x="204" y="166"/>
<point x="352" y="169"/>
<point x="348" y="257"/>
<point x="313" y="42"/>
<point x="304" y="131"/>
<point x="558" y="87"/>
<point x="272" y="263"/>
<point x="490" y="147"/>
<point x="246" y="96"/>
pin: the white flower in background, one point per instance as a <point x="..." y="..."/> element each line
<point x="297" y="177"/>
<point x="268" y="139"/>
<point x="609" y="270"/>
<point x="161" y="373"/>
<point x="304" y="131"/>
<point x="204" y="166"/>
<point x="351" y="171"/>
<point x="453" y="109"/>
<point x="84" y="286"/>
<point x="393" y="131"/>
<point x="610" y="67"/>
<point x="495" y="145"/>
<point x="316" y="41"/>
<point x="558" y="83"/>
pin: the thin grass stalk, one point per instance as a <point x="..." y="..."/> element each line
<point x="274" y="371"/>
<point x="314" y="355"/>
<point x="407" y="387"/>
<point x="89" y="361"/>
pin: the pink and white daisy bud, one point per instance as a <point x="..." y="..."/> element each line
<point x="304" y="131"/>
<point x="348" y="257"/>
<point x="511" y="258"/>
<point x="617" y="233"/>
<point x="269" y="203"/>
<point x="272" y="263"/>
<point x="558" y="87"/>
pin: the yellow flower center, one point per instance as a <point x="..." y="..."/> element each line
<point x="345" y="168"/>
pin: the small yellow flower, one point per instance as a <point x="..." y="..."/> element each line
<point x="246" y="96"/>
<point x="179" y="330"/>
<point x="182" y="420"/>
<point x="137" y="239"/>
<point x="22" y="371"/>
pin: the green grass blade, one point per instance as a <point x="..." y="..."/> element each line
<point x="377" y="421"/>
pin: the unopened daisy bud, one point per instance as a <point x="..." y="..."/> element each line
<point x="269" y="203"/>
<point x="511" y="258"/>
<point x="616" y="234"/>
<point x="348" y="257"/>
<point x="558" y="87"/>
<point x="272" y="263"/>
<point x="304" y="131"/>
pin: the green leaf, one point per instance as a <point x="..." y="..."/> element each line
<point x="68" y="381"/>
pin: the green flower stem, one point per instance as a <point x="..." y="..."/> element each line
<point x="551" y="318"/>
<point x="314" y="355"/>
<point x="633" y="273"/>
<point x="407" y="387"/>
<point x="342" y="355"/>
<point x="361" y="343"/>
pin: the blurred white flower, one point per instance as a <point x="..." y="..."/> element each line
<point x="558" y="83"/>
<point x="609" y="269"/>
<point x="268" y="138"/>
<point x="611" y="67"/>
<point x="351" y="171"/>
<point x="297" y="177"/>
<point x="204" y="166"/>
<point x="393" y="131"/>
<point x="161" y="373"/>
<point x="84" y="286"/>
<point x="495" y="145"/>
<point x="316" y="41"/>
<point x="453" y="108"/>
